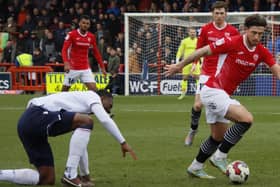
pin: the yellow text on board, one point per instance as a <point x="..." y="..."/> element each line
<point x="54" y="82"/>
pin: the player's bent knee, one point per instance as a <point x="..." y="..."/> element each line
<point x="249" y="118"/>
<point x="87" y="123"/>
<point x="86" y="126"/>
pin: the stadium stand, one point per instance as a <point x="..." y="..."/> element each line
<point x="44" y="24"/>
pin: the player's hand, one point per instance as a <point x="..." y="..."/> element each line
<point x="103" y="72"/>
<point x="171" y="69"/>
<point x="126" y="148"/>
<point x="66" y="67"/>
<point x="193" y="68"/>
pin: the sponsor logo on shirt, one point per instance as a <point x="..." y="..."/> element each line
<point x="82" y="43"/>
<point x="240" y="53"/>
<point x="220" y="42"/>
<point x="212" y="39"/>
<point x="244" y="62"/>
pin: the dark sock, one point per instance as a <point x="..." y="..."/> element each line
<point x="233" y="135"/>
<point x="207" y="148"/>
<point x="195" y="115"/>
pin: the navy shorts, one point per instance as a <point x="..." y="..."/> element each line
<point x="34" y="127"/>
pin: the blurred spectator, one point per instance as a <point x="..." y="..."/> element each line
<point x="100" y="32"/>
<point x="150" y="49"/>
<point x="113" y="9"/>
<point x="28" y="25"/>
<point x="21" y="16"/>
<point x="120" y="54"/>
<point x="113" y="69"/>
<point x="10" y="27"/>
<point x="54" y="24"/>
<point x="114" y="26"/>
<point x="40" y="29"/>
<point x="70" y="15"/>
<point x="48" y="46"/>
<point x="36" y="14"/>
<point x="45" y="17"/>
<point x="179" y="36"/>
<point x="39" y="59"/>
<point x="93" y="17"/>
<point x="175" y="7"/>
<point x="59" y="35"/>
<point x="7" y="53"/>
<point x="119" y="42"/>
<point x="134" y="65"/>
<point x="100" y="9"/>
<point x="166" y="7"/>
<point x="168" y="56"/>
<point x="102" y="47"/>
<point x="21" y="44"/>
<point x="153" y="7"/>
<point x="11" y="11"/>
<point x="273" y="44"/>
<point x="32" y="42"/>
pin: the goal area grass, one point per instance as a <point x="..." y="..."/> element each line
<point x="155" y="126"/>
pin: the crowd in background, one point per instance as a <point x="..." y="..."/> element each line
<point x="39" y="27"/>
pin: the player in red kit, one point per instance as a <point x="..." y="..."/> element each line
<point x="76" y="66"/>
<point x="209" y="33"/>
<point x="239" y="57"/>
<point x="75" y="56"/>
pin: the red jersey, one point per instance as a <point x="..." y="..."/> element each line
<point x="75" y="50"/>
<point x="210" y="33"/>
<point x="236" y="62"/>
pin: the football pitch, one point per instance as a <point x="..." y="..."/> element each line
<point x="155" y="126"/>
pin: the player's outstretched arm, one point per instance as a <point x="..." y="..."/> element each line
<point x="171" y="69"/>
<point x="174" y="68"/>
<point x="126" y="148"/>
<point x="275" y="69"/>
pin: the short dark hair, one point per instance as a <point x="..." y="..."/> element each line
<point x="84" y="17"/>
<point x="255" y="20"/>
<point x="105" y="93"/>
<point x="219" y="4"/>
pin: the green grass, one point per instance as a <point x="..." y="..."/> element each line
<point x="155" y="127"/>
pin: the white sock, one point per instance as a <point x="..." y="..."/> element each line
<point x="83" y="165"/>
<point x="195" y="165"/>
<point x="20" y="176"/>
<point x="78" y="145"/>
<point x="218" y="155"/>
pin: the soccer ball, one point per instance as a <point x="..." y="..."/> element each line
<point x="238" y="172"/>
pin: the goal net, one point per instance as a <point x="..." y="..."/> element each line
<point x="152" y="40"/>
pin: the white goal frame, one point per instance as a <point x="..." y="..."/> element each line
<point x="127" y="15"/>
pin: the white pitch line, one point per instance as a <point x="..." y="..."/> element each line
<point x="162" y="110"/>
<point x="12" y="108"/>
<point x="8" y="108"/>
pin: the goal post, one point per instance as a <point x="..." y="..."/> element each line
<point x="152" y="40"/>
